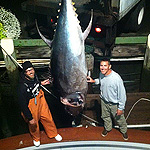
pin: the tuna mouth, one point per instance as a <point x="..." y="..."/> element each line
<point x="73" y="100"/>
<point x="74" y="103"/>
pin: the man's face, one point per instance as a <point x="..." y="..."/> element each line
<point x="105" y="67"/>
<point x="30" y="73"/>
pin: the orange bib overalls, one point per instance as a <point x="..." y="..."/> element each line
<point x="40" y="112"/>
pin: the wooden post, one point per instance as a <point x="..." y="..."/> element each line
<point x="12" y="68"/>
<point x="145" y="78"/>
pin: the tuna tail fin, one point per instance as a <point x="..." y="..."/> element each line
<point x="87" y="31"/>
<point x="47" y="41"/>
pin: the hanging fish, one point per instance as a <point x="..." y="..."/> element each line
<point x="68" y="64"/>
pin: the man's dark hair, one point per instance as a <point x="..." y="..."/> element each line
<point x="105" y="59"/>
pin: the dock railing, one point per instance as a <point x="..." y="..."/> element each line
<point x="38" y="43"/>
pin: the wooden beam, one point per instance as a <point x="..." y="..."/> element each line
<point x="131" y="40"/>
<point x="29" y="42"/>
<point x="119" y="40"/>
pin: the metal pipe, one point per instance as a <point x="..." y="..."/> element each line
<point x="137" y="126"/>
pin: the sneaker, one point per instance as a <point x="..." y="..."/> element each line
<point x="58" y="137"/>
<point x="125" y="136"/>
<point x="104" y="133"/>
<point x="36" y="143"/>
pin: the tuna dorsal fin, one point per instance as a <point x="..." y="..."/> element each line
<point x="87" y="31"/>
<point x="47" y="41"/>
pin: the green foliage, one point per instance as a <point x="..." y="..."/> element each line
<point x="2" y="32"/>
<point x="9" y="25"/>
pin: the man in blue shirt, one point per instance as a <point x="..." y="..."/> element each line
<point x="113" y="98"/>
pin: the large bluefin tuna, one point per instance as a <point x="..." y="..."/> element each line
<point x="68" y="64"/>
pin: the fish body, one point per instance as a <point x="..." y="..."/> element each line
<point x="68" y="64"/>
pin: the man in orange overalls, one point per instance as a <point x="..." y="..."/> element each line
<point x="34" y="106"/>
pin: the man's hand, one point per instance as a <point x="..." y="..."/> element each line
<point x="45" y="82"/>
<point x="32" y="122"/>
<point x="89" y="79"/>
<point x="33" y="125"/>
<point x="119" y="112"/>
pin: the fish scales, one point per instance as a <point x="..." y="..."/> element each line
<point x="68" y="51"/>
<point x="68" y="64"/>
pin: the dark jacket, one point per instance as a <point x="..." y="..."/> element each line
<point x="25" y="93"/>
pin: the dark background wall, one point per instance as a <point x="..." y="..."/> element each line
<point x="15" y="7"/>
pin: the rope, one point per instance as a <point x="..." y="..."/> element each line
<point x="141" y="99"/>
<point x="48" y="91"/>
<point x="15" y="62"/>
<point x="144" y="99"/>
<point x="90" y="119"/>
<point x="12" y="58"/>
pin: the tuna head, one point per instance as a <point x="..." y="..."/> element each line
<point x="68" y="64"/>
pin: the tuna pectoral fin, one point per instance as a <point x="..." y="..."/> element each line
<point x="47" y="41"/>
<point x="87" y="31"/>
